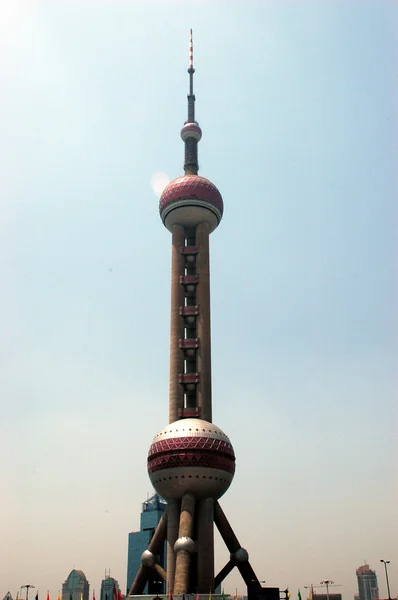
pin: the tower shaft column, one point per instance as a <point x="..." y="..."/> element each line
<point x="183" y="559"/>
<point x="176" y="397"/>
<point x="173" y="513"/>
<point x="203" y="299"/>
<point x="205" y="528"/>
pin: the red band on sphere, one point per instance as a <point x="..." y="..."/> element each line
<point x="190" y="443"/>
<point x="191" y="186"/>
<point x="191" y="459"/>
<point x="191" y="451"/>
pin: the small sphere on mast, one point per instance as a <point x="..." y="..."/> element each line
<point x="191" y="130"/>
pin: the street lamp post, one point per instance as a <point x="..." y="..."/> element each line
<point x="327" y="582"/>
<point x="386" y="562"/>
<point x="27" y="586"/>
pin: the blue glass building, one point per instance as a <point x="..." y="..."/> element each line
<point x="367" y="583"/>
<point x="152" y="511"/>
<point x="109" y="588"/>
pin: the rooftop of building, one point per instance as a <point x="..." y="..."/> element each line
<point x="364" y="570"/>
<point x="155" y="502"/>
<point x="76" y="575"/>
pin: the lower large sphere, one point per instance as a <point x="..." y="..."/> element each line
<point x="191" y="455"/>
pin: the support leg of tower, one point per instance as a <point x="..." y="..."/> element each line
<point x="176" y="400"/>
<point x="173" y="510"/>
<point x="205" y="528"/>
<point x="225" y="571"/>
<point x="140" y="581"/>
<point x="160" y="571"/>
<point x="154" y="548"/>
<point x="203" y="299"/>
<point x="184" y="545"/>
<point x="239" y="555"/>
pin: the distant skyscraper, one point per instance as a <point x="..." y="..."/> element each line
<point x="367" y="583"/>
<point x="152" y="511"/>
<point x="109" y="588"/>
<point x="76" y="586"/>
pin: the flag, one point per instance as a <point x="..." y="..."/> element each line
<point x="299" y="595"/>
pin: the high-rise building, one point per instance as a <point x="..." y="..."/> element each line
<point x="76" y="586"/>
<point x="191" y="462"/>
<point x="152" y="511"/>
<point x="368" y="588"/>
<point x="110" y="589"/>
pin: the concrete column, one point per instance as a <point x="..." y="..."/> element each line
<point x="160" y="571"/>
<point x="155" y="545"/>
<point x="176" y="397"/>
<point x="203" y="299"/>
<point x="225" y="571"/>
<point x="239" y="556"/>
<point x="154" y="548"/>
<point x="173" y="513"/>
<point x="225" y="529"/>
<point x="183" y="558"/>
<point x="140" y="581"/>
<point x="205" y="558"/>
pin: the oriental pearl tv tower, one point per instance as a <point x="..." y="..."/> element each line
<point x="191" y="462"/>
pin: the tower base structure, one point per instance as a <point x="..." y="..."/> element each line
<point x="192" y="562"/>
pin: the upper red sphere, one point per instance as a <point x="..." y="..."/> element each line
<point x="191" y="186"/>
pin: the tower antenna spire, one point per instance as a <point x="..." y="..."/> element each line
<point x="191" y="69"/>
<point x="191" y="132"/>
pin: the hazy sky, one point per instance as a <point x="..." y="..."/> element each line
<point x="298" y="106"/>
